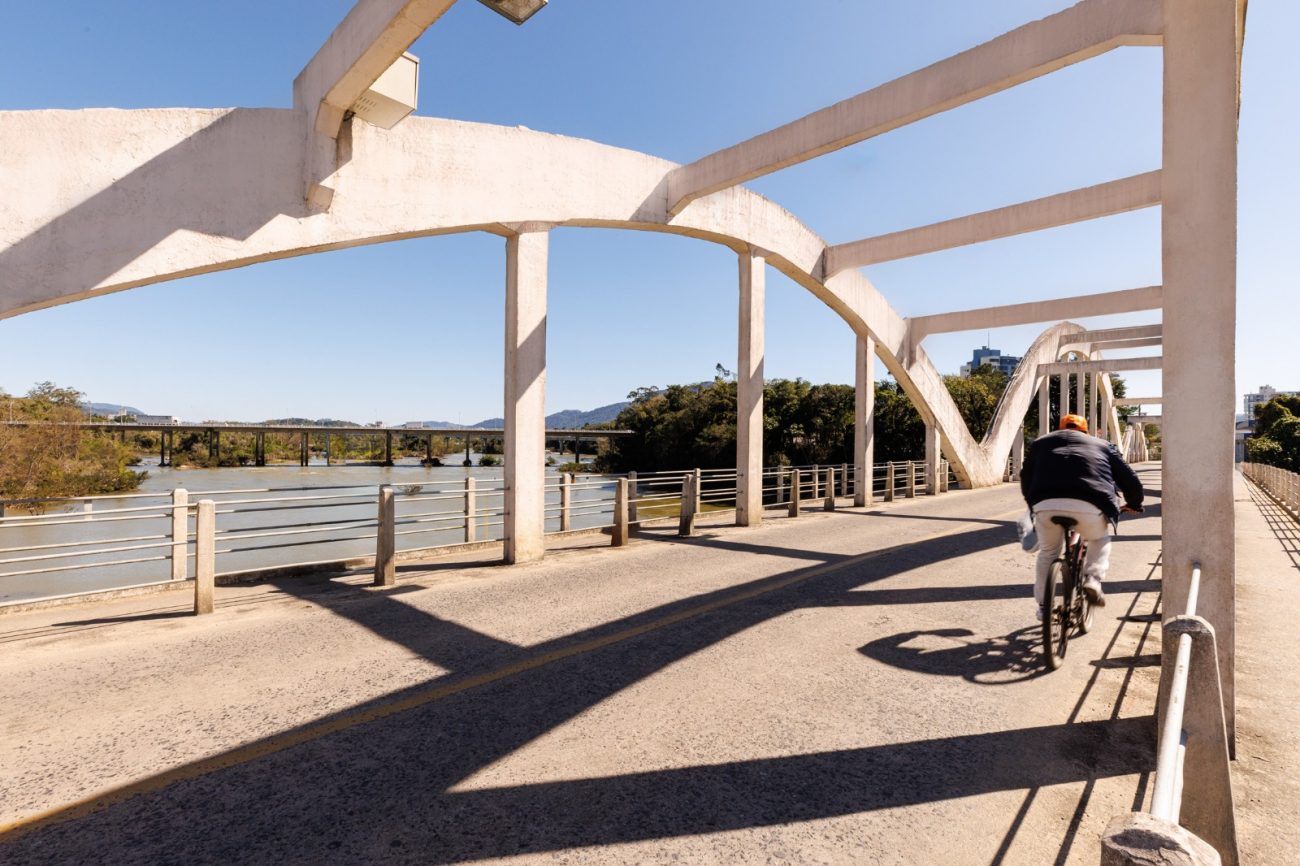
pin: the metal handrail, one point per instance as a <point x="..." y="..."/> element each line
<point x="1166" y="802"/>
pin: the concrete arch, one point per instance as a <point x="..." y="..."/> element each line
<point x="111" y="200"/>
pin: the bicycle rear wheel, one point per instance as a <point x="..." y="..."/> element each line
<point x="1056" y="617"/>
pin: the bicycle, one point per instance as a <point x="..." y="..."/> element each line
<point x="1067" y="607"/>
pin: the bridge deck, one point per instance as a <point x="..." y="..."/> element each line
<point x="844" y="688"/>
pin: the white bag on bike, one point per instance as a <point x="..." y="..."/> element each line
<point x="1027" y="531"/>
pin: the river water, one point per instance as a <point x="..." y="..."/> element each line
<point x="334" y="534"/>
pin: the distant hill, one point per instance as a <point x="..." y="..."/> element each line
<point x="570" y="419"/>
<point x="565" y="419"/>
<point x="109" y="409"/>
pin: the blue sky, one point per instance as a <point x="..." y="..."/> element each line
<point x="422" y="338"/>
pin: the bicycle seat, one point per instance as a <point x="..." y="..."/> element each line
<point x="1067" y="522"/>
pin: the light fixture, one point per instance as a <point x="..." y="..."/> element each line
<point x="517" y="11"/>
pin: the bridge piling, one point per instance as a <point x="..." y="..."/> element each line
<point x="180" y="532"/>
<point x="386" y="539"/>
<point x="205" y="556"/>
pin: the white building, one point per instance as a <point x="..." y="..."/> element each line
<point x="1263" y="395"/>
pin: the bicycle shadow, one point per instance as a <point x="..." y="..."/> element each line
<point x="1011" y="658"/>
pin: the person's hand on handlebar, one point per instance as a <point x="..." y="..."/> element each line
<point x="1131" y="510"/>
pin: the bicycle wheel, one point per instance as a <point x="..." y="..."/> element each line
<point x="1083" y="612"/>
<point x="1056" y="618"/>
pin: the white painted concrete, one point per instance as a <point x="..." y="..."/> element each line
<point x="525" y="392"/>
<point x="749" y="390"/>
<point x="1106" y="199"/>
<point x="864" y="420"/>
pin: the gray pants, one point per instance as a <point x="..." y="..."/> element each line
<point x="1091" y="524"/>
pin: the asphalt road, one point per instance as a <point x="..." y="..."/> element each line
<point x="856" y="687"/>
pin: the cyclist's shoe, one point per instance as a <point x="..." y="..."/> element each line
<point x="1038" y="612"/>
<point x="1092" y="589"/>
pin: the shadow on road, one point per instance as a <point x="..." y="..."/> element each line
<point x="394" y="778"/>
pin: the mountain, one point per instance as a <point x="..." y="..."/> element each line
<point x="109" y="409"/>
<point x="570" y="419"/>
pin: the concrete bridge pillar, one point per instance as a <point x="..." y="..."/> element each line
<point x="304" y="448"/>
<point x="388" y="448"/>
<point x="1017" y="454"/>
<point x="259" y="449"/>
<point x="327" y="448"/>
<point x="525" y="392"/>
<point x="749" y="390"/>
<point x="932" y="458"/>
<point x="864" y="423"/>
<point x="1045" y="405"/>
<point x="1199" y="263"/>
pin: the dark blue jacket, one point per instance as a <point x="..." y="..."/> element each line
<point x="1068" y="464"/>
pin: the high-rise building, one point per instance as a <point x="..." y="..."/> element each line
<point x="1263" y="395"/>
<point x="984" y="356"/>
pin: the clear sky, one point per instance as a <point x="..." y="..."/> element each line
<point x="413" y="330"/>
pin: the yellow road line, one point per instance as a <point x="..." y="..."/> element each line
<point x="280" y="742"/>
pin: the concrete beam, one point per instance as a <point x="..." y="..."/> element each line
<point x="1106" y="199"/>
<point x="1127" y="344"/>
<point x="1139" y="401"/>
<point x="1107" y="334"/>
<point x="1085" y="30"/>
<point x="1103" y="304"/>
<point x="370" y="39"/>
<point x="1108" y="365"/>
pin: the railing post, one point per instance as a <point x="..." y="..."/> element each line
<point x="911" y="480"/>
<point x="87" y="506"/>
<point x="180" y="532"/>
<point x="816" y="480"/>
<point x="796" y="483"/>
<point x="686" y="522"/>
<point x="943" y="476"/>
<point x="386" y="539"/>
<point x="633" y="516"/>
<point x="844" y="480"/>
<point x="618" y="537"/>
<point x="889" y="482"/>
<point x="829" y="504"/>
<point x="471" y="522"/>
<point x="780" y="485"/>
<point x="566" y="501"/>
<point x="205" y="556"/>
<point x="697" y="491"/>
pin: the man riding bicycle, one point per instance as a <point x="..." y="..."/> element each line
<point x="1071" y="474"/>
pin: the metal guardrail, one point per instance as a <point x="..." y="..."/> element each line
<point x="1193" y="750"/>
<point x="259" y="529"/>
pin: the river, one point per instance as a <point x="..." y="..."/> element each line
<point x="151" y="527"/>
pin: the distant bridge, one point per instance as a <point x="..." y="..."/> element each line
<point x="304" y="432"/>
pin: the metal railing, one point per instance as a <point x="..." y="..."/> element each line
<point x="1194" y="751"/>
<point x="94" y="544"/>
<point x="1281" y="485"/>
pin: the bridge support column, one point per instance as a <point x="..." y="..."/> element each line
<point x="932" y="458"/>
<point x="259" y="449"/>
<point x="327" y="448"/>
<point x="304" y="448"/>
<point x="525" y="392"/>
<point x="1017" y="454"/>
<point x="1045" y="405"/>
<point x="749" y="391"/>
<point x="864" y="423"/>
<point x="388" y="448"/>
<point x="1199" y="263"/>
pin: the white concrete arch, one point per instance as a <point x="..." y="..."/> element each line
<point x="118" y="199"/>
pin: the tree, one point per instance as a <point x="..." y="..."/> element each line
<point x="1277" y="433"/>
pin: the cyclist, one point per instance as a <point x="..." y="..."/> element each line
<point x="1071" y="474"/>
